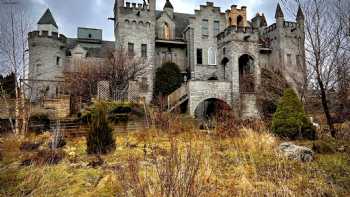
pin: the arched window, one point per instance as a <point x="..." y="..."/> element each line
<point x="212" y="56"/>
<point x="246" y="74"/>
<point x="239" y="21"/>
<point x="166" y="31"/>
<point x="229" y="21"/>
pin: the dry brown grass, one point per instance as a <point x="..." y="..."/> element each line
<point x="185" y="162"/>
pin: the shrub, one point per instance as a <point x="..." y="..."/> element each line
<point x="100" y="137"/>
<point x="168" y="79"/>
<point x="290" y="121"/>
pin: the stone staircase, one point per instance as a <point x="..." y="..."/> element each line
<point x="178" y="97"/>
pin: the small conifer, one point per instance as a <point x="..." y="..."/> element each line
<point x="290" y="120"/>
<point x="100" y="138"/>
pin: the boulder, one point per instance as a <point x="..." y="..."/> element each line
<point x="299" y="153"/>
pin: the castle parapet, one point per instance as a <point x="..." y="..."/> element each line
<point x="234" y="29"/>
<point x="286" y="24"/>
<point x="45" y="34"/>
<point x="136" y="6"/>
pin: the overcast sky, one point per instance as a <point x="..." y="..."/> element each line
<point x="70" y="14"/>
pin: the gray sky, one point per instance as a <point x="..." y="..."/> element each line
<point x="70" y="14"/>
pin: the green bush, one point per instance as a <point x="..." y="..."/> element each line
<point x="290" y="121"/>
<point x="168" y="79"/>
<point x="100" y="138"/>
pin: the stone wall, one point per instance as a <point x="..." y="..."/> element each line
<point x="203" y="90"/>
<point x="211" y="13"/>
<point x="249" y="108"/>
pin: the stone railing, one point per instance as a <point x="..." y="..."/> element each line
<point x="177" y="95"/>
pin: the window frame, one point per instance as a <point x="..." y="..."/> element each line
<point x="216" y="27"/>
<point x="205" y="28"/>
<point x="212" y="54"/>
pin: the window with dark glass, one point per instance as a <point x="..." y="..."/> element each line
<point x="58" y="60"/>
<point x="144" y="50"/>
<point x="131" y="48"/>
<point x="199" y="56"/>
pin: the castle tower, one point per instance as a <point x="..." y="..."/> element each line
<point x="46" y="58"/>
<point x="237" y="17"/>
<point x="288" y="50"/>
<point x="47" y="23"/>
<point x="135" y="32"/>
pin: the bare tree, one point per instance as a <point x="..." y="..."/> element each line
<point x="122" y="67"/>
<point x="82" y="76"/>
<point x="324" y="42"/>
<point x="326" y="45"/>
<point x="14" y="26"/>
<point x="117" y="68"/>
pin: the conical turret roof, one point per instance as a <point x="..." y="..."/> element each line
<point x="47" y="19"/>
<point x="168" y="4"/>
<point x="279" y="12"/>
<point x="300" y="14"/>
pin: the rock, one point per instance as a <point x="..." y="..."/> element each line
<point x="299" y="153"/>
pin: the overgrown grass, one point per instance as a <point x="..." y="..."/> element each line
<point x="246" y="165"/>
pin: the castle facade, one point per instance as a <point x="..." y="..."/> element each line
<point x="220" y="54"/>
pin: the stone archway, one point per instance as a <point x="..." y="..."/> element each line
<point x="246" y="74"/>
<point x="210" y="107"/>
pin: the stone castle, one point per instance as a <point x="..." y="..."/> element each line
<point x="220" y="54"/>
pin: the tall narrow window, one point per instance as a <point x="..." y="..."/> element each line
<point x="297" y="57"/>
<point x="216" y="28"/>
<point x="212" y="56"/>
<point x="166" y="31"/>
<point x="289" y="59"/>
<point x="144" y="50"/>
<point x="131" y="48"/>
<point x="205" y="28"/>
<point x="199" y="56"/>
<point x="58" y="61"/>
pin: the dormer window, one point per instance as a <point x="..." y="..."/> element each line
<point x="166" y="31"/>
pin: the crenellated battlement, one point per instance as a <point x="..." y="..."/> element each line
<point x="130" y="6"/>
<point x="238" y="30"/>
<point x="45" y="34"/>
<point x="286" y="25"/>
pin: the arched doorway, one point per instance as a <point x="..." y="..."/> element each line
<point x="246" y="74"/>
<point x="211" y="107"/>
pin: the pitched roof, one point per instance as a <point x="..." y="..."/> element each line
<point x="300" y="15"/>
<point x="168" y="4"/>
<point x="279" y="12"/>
<point x="47" y="19"/>
<point x="181" y="21"/>
<point x="93" y="50"/>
